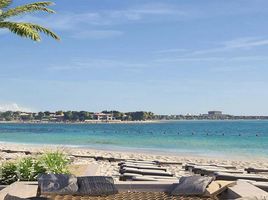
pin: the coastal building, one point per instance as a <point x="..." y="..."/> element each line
<point x="103" y="117"/>
<point x="215" y="113"/>
<point x="25" y="114"/>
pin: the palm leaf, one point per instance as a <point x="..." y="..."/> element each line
<point x="43" y="30"/>
<point x="5" y="3"/>
<point x="33" y="7"/>
<point x="28" y="30"/>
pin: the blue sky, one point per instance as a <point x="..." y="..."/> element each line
<point x="169" y="57"/>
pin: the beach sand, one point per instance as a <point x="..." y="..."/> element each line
<point x="107" y="168"/>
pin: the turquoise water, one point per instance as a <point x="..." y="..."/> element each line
<point x="194" y="137"/>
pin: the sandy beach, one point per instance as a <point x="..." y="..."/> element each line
<point x="111" y="168"/>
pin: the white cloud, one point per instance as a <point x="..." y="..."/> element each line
<point x="97" y="34"/>
<point x="220" y="53"/>
<point x="72" y="21"/>
<point x="213" y="58"/>
<point x="13" y="107"/>
<point x="243" y="43"/>
<point x="86" y="64"/>
<point x="246" y="42"/>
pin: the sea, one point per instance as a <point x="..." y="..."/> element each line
<point x="247" y="138"/>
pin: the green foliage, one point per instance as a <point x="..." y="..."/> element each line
<point x="55" y="162"/>
<point x="5" y="3"/>
<point x="140" y="115"/>
<point x="33" y="7"/>
<point x="27" y="169"/>
<point x="73" y="116"/>
<point x="23" y="29"/>
<point x="8" y="173"/>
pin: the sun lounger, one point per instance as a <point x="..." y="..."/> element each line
<point x="127" y="190"/>
<point x="130" y="176"/>
<point x="261" y="185"/>
<point x="137" y="163"/>
<point x="134" y="163"/>
<point x="141" y="161"/>
<point x="256" y="170"/>
<point x="234" y="177"/>
<point x="145" y="172"/>
<point x="83" y="156"/>
<point x="210" y="171"/>
<point x="168" y="163"/>
<point x="198" y="169"/>
<point x="191" y="166"/>
<point x="143" y="167"/>
<point x="244" y="190"/>
<point x="152" y="178"/>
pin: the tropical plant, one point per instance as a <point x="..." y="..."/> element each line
<point x="8" y="173"/>
<point x="28" y="169"/>
<point x="55" y="162"/>
<point x="24" y="29"/>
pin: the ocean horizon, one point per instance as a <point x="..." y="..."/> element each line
<point x="204" y="138"/>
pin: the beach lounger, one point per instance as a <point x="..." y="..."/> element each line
<point x="244" y="190"/>
<point x="168" y="163"/>
<point x="152" y="162"/>
<point x="137" y="163"/>
<point x="141" y="161"/>
<point x="197" y="185"/>
<point x="234" y="177"/>
<point x="210" y="171"/>
<point x="259" y="184"/>
<point x="145" y="172"/>
<point x="256" y="170"/>
<point x="155" y="190"/>
<point x="152" y="178"/>
<point x="130" y="176"/>
<point x="143" y="167"/>
<point x="191" y="166"/>
<point x="83" y="156"/>
<point x="198" y="169"/>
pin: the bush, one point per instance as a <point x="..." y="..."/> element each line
<point x="27" y="169"/>
<point x="55" y="162"/>
<point x="8" y="173"/>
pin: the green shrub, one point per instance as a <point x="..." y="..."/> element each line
<point x="8" y="173"/>
<point x="55" y="162"/>
<point x="27" y="169"/>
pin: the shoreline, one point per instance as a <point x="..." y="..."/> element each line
<point x="124" y="152"/>
<point x="131" y="122"/>
<point x="88" y="156"/>
<point x="88" y="122"/>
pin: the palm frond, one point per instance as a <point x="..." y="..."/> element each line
<point x="5" y="3"/>
<point x="28" y="30"/>
<point x="33" y="7"/>
<point x="43" y="30"/>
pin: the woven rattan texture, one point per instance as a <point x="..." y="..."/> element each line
<point x="127" y="196"/>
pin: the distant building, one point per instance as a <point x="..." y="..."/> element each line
<point x="103" y="116"/>
<point x="215" y="113"/>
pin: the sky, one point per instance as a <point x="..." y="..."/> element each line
<point x="168" y="57"/>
